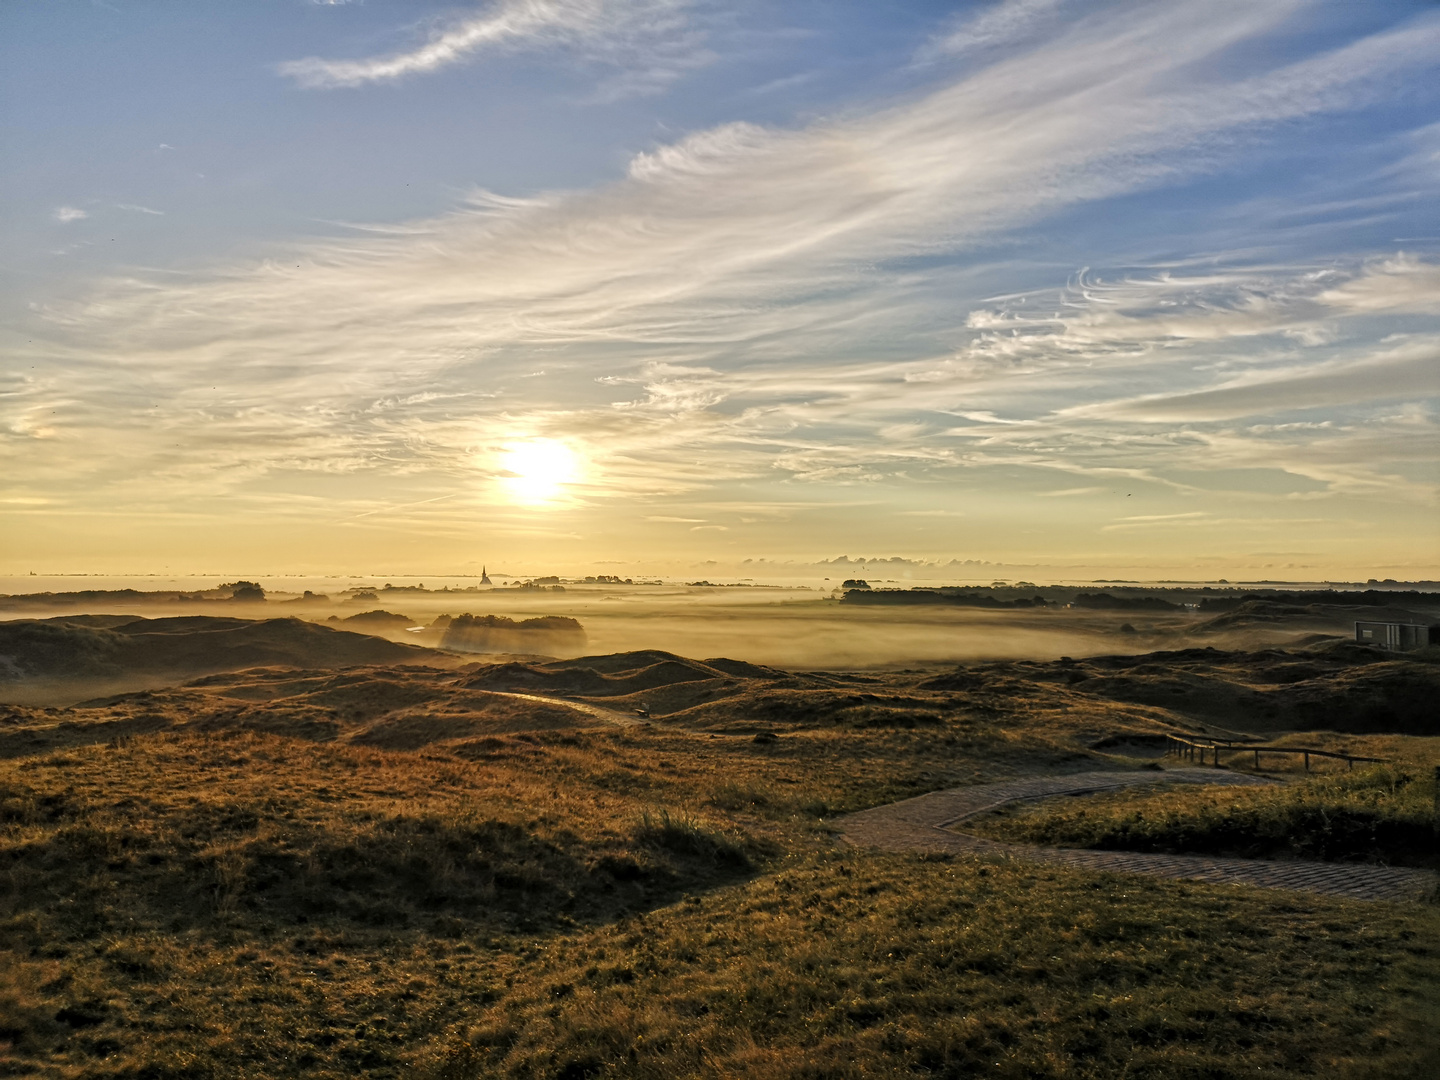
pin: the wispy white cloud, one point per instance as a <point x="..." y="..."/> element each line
<point x="1001" y="23"/>
<point x="651" y="41"/>
<point x="1406" y="370"/>
<point x="138" y="209"/>
<point x="729" y="310"/>
<point x="1403" y="284"/>
<point x="67" y="214"/>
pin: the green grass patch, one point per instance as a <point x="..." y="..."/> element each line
<point x="1382" y="814"/>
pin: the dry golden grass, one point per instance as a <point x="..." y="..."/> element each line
<point x="850" y="965"/>
<point x="278" y="874"/>
<point x="1382" y="814"/>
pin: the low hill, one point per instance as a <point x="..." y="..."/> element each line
<point x="374" y="621"/>
<point x="1267" y="616"/>
<point x="1330" y="685"/>
<point x="88" y="650"/>
<point x="396" y="707"/>
<point x="648" y="681"/>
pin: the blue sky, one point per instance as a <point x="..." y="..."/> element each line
<point x="1144" y="288"/>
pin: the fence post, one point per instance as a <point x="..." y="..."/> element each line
<point x="1307" y="760"/>
<point x="1257" y="760"/>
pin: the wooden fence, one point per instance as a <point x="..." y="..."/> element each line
<point x="1189" y="748"/>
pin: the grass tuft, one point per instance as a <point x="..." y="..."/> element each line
<point x="682" y="834"/>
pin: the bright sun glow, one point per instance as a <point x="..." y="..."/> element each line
<point x="535" y="470"/>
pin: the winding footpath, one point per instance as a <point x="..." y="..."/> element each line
<point x="610" y="716"/>
<point x="924" y="824"/>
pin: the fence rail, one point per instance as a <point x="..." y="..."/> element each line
<point x="1188" y="748"/>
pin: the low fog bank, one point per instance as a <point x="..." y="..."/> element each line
<point x="67" y="658"/>
<point x="853" y="625"/>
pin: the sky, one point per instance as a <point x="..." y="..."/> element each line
<point x="1050" y="289"/>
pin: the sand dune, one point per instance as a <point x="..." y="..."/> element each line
<point x="73" y="657"/>
<point x="1330" y="685"/>
<point x="309" y="685"/>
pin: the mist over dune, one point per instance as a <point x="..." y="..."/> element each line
<point x="69" y="655"/>
<point x="498" y="634"/>
<point x="880" y="626"/>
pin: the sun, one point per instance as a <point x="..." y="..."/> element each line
<point x="537" y="470"/>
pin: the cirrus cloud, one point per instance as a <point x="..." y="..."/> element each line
<point x="743" y="306"/>
<point x="650" y="39"/>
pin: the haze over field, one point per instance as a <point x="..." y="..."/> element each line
<point x="1030" y="289"/>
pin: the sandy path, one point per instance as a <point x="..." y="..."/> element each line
<point x="921" y="824"/>
<point x="610" y="716"/>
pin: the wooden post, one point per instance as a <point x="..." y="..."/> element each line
<point x="1257" y="760"/>
<point x="1307" y="760"/>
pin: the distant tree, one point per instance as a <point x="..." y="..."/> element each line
<point x="245" y="591"/>
<point x="855" y="583"/>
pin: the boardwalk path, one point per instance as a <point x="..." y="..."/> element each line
<point x="921" y="824"/>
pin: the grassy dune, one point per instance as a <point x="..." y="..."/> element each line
<point x="857" y="966"/>
<point x="1382" y="814"/>
<point x="405" y="872"/>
